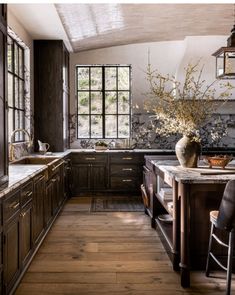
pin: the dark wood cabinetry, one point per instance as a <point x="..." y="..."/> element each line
<point x="38" y="207"/>
<point x="67" y="177"/>
<point x="51" y="93"/>
<point x="89" y="172"/>
<point x="3" y="96"/>
<point x="26" y="241"/>
<point x="11" y="240"/>
<point x="116" y="172"/>
<point x="28" y="212"/>
<point x="26" y="219"/>
<point x="48" y="212"/>
<point x="126" y="172"/>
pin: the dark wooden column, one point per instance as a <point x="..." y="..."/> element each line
<point x="176" y="227"/>
<point x="184" y="192"/>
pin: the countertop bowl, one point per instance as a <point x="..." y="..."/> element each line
<point x="219" y="161"/>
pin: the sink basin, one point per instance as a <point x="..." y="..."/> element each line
<point x="34" y="161"/>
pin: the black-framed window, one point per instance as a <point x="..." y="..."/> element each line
<point x="103" y="101"/>
<point x="16" y="86"/>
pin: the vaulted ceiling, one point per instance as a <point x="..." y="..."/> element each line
<point x="91" y="26"/>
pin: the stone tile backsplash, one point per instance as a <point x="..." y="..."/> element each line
<point x="218" y="132"/>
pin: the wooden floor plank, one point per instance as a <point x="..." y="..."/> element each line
<point x="87" y="253"/>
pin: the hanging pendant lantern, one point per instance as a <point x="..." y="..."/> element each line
<point x="225" y="58"/>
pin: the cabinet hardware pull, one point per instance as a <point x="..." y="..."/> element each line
<point x="14" y="205"/>
<point x="68" y="168"/>
<point x="127" y="180"/>
<point x="23" y="214"/>
<point x="40" y="178"/>
<point x="54" y="168"/>
<point x="127" y="158"/>
<point x="90" y="158"/>
<point x="127" y="169"/>
<point x="28" y="194"/>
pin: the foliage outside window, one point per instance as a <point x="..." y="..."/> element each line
<point x="103" y="104"/>
<point x="16" y="86"/>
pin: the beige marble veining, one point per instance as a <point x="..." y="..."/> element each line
<point x="194" y="175"/>
<point x="20" y="174"/>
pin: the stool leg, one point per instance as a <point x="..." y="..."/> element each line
<point x="230" y="262"/>
<point x="209" y="250"/>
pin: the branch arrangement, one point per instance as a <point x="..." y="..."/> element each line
<point x="183" y="107"/>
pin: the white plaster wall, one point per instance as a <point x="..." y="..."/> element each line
<point x="168" y="57"/>
<point x="201" y="48"/>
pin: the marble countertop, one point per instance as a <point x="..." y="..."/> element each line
<point x="20" y="174"/>
<point x="202" y="174"/>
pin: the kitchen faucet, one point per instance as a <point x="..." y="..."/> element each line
<point x="12" y="149"/>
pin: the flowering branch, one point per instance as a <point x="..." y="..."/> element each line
<point x="183" y="108"/>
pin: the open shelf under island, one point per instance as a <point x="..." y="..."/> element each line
<point x="195" y="192"/>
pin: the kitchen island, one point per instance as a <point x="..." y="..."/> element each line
<point x="195" y="191"/>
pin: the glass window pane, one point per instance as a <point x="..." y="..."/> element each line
<point x="10" y="123"/>
<point x="123" y="78"/>
<point x="110" y="126"/>
<point x="96" y="78"/>
<point x="229" y="62"/>
<point x="83" y="78"/>
<point x="21" y="94"/>
<point x="16" y="59"/>
<point x="123" y="102"/>
<point x="83" y="126"/>
<point x="96" y="126"/>
<point x="110" y="78"/>
<point x="10" y="90"/>
<point x="83" y="102"/>
<point x="9" y="54"/>
<point x="21" y="63"/>
<point x="16" y="93"/>
<point x="123" y="126"/>
<point x="17" y="125"/>
<point x="110" y="103"/>
<point x="96" y="103"/>
<point x="21" y="120"/>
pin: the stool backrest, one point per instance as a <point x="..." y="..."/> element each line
<point x="226" y="216"/>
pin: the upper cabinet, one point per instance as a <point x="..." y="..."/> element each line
<point x="3" y="95"/>
<point x="51" y="93"/>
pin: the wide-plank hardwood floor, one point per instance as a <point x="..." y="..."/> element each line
<point x="87" y="253"/>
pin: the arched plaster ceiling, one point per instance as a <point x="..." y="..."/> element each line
<point x="92" y="26"/>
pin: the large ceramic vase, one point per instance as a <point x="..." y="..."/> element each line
<point x="187" y="151"/>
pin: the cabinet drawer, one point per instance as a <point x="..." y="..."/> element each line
<point x="125" y="169"/>
<point x="126" y="158"/>
<point x="123" y="183"/>
<point x="88" y="158"/>
<point x="10" y="206"/>
<point x="26" y="193"/>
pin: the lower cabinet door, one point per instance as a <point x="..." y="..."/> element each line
<point x="48" y="212"/>
<point x="11" y="268"/>
<point x="26" y="233"/>
<point x="98" y="177"/>
<point x="80" y="178"/>
<point x="55" y="194"/>
<point x="38" y="212"/>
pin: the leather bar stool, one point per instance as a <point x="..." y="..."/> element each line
<point x="224" y="219"/>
